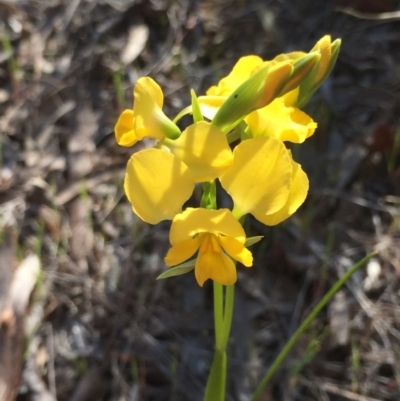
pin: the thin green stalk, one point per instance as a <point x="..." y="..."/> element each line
<point x="218" y="316"/>
<point x="118" y="84"/>
<point x="228" y="314"/>
<point x="292" y="341"/>
<point x="12" y="62"/>
<point x="394" y="152"/>
<point x="216" y="384"/>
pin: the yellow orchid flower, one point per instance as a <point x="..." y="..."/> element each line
<point x="252" y="84"/>
<point x="282" y="122"/>
<point x="157" y="184"/>
<point x="264" y="181"/>
<point x="147" y="118"/>
<point x="310" y="70"/>
<point x="217" y="236"/>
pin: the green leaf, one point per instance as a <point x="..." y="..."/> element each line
<point x="305" y="324"/>
<point x="178" y="270"/>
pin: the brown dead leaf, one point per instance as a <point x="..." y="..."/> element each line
<point x="82" y="237"/>
<point x="82" y="150"/>
<point x="137" y="39"/>
<point x="339" y="319"/>
<point x="12" y="329"/>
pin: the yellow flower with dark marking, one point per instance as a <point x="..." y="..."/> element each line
<point x="217" y="237"/>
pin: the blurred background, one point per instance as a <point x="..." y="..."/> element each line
<point x="95" y="324"/>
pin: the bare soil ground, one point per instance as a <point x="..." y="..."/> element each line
<point x="96" y="325"/>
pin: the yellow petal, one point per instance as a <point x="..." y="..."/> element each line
<point x="150" y="120"/>
<point x="212" y="263"/>
<point x="210" y="105"/>
<point x="157" y="184"/>
<point x="281" y="122"/>
<point x="182" y="251"/>
<point x="289" y="56"/>
<point x="291" y="97"/>
<point x="260" y="176"/>
<point x="242" y="70"/>
<point x="194" y="221"/>
<point x="298" y="194"/>
<point x="236" y="250"/>
<point x="204" y="149"/>
<point x="124" y="131"/>
<point x="324" y="47"/>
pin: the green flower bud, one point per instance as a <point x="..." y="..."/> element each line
<point x="329" y="53"/>
<point x="274" y="79"/>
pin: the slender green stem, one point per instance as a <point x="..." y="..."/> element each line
<point x="216" y="383"/>
<point x="292" y="341"/>
<point x="228" y="314"/>
<point x="218" y="316"/>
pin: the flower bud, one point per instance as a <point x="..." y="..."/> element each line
<point x="329" y="52"/>
<point x="273" y="79"/>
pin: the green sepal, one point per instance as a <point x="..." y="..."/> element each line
<point x="253" y="240"/>
<point x="302" y="68"/>
<point x="178" y="270"/>
<point x="197" y="114"/>
<point x="170" y="129"/>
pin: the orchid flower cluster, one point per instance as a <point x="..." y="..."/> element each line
<point x="238" y="137"/>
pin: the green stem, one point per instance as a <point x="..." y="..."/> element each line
<point x="228" y="314"/>
<point x="292" y="341"/>
<point x="218" y="316"/>
<point x="216" y="384"/>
